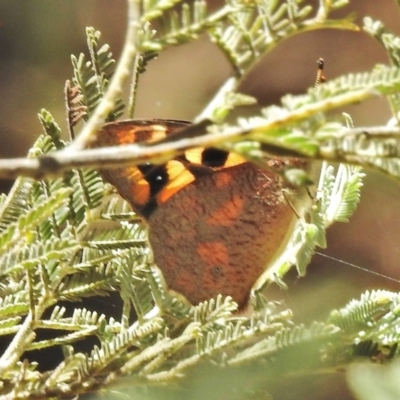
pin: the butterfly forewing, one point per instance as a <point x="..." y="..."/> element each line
<point x="145" y="186"/>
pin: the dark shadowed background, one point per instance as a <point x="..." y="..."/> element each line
<point x="37" y="38"/>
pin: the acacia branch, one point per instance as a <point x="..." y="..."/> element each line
<point x="56" y="163"/>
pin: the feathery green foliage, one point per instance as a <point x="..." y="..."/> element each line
<point x="92" y="77"/>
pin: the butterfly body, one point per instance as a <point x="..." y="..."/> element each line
<point x="215" y="221"/>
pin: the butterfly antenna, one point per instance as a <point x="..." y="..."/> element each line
<point x="320" y="78"/>
<point x="355" y="266"/>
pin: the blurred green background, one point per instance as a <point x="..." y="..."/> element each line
<point x="37" y="38"/>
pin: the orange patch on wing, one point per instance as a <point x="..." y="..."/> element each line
<point x="178" y="178"/>
<point x="123" y="134"/>
<point x="213" y="253"/>
<point x="158" y="132"/>
<point x="223" y="180"/>
<point x="234" y="159"/>
<point x="139" y="187"/>
<point x="228" y="213"/>
<point x="124" y="137"/>
<point x="140" y="193"/>
<point x="194" y="155"/>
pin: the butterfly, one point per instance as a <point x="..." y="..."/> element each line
<point x="216" y="221"/>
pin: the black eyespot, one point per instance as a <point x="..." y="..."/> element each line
<point x="214" y="157"/>
<point x="155" y="175"/>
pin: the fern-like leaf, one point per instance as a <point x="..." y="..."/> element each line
<point x="92" y="77"/>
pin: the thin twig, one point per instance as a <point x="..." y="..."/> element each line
<point x="54" y="164"/>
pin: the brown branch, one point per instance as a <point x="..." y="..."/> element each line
<point x="56" y="163"/>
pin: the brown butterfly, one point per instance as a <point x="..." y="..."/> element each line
<point x="216" y="222"/>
